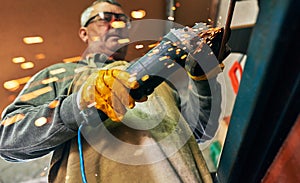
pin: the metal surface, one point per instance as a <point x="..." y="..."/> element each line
<point x="286" y="164"/>
<point x="226" y="29"/>
<point x="267" y="103"/>
<point x="239" y="39"/>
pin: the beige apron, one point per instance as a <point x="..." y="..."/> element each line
<point x="163" y="151"/>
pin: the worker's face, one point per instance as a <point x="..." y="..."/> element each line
<point x="104" y="36"/>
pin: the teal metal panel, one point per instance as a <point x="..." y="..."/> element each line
<point x="267" y="103"/>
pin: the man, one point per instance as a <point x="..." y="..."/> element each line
<point x="46" y="116"/>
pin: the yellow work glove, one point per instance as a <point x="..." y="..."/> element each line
<point x="108" y="91"/>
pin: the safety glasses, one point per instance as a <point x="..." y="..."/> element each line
<point x="103" y="18"/>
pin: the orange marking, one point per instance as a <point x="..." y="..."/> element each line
<point x="12" y="119"/>
<point x="53" y="104"/>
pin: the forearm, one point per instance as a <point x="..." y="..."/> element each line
<point x="37" y="131"/>
<point x="36" y="123"/>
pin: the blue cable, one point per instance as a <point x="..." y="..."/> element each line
<point x="83" y="177"/>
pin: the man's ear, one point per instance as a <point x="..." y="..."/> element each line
<point x="83" y="34"/>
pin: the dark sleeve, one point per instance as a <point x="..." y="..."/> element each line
<point x="41" y="117"/>
<point x="200" y="104"/>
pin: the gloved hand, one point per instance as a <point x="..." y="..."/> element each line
<point x="211" y="65"/>
<point x="109" y="91"/>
